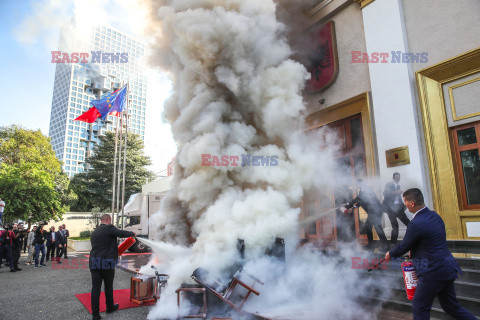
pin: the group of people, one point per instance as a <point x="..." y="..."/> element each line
<point x="392" y="204"/>
<point x="14" y="238"/>
<point x="54" y="241"/>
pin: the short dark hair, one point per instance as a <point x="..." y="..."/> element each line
<point x="414" y="195"/>
<point x="105" y="217"/>
<point x="396" y="174"/>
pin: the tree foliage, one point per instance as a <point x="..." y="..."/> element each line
<point x="94" y="187"/>
<point x="18" y="145"/>
<point x="31" y="179"/>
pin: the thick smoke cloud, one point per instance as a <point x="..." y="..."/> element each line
<point x="236" y="90"/>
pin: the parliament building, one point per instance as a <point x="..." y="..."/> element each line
<point x="399" y="82"/>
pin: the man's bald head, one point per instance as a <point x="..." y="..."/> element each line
<point x="106" y="219"/>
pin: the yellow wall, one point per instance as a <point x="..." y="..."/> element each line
<point x="74" y="221"/>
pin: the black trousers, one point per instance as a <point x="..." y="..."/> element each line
<point x="65" y="250"/>
<point x="445" y="291"/>
<point x="107" y="276"/>
<point x="16" y="255"/>
<point x="375" y="220"/>
<point x="396" y="211"/>
<point x="50" y="251"/>
<point x="6" y="252"/>
<point x="59" y="252"/>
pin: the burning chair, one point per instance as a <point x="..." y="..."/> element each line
<point x="229" y="295"/>
<point x="226" y="299"/>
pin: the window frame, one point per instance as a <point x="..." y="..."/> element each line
<point x="457" y="149"/>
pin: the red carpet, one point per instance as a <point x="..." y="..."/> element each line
<point x="122" y="297"/>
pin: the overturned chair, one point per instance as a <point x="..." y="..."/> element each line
<point x="225" y="300"/>
<point x="221" y="299"/>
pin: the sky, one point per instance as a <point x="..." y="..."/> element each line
<point x="28" y="33"/>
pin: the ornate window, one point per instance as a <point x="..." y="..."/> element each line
<point x="466" y="142"/>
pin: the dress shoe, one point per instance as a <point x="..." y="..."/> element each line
<point x="43" y="264"/>
<point x="13" y="270"/>
<point x="18" y="269"/>
<point x="115" y="308"/>
<point x="96" y="317"/>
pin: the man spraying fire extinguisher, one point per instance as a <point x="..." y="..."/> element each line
<point x="426" y="239"/>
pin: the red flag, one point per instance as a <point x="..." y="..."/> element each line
<point x="89" y="116"/>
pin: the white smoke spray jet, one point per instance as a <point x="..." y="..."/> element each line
<point x="237" y="91"/>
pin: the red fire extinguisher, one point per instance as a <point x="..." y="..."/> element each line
<point x="127" y="243"/>
<point x="410" y="278"/>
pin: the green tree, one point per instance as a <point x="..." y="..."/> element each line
<point x="31" y="178"/>
<point x="94" y="187"/>
<point x="18" y="145"/>
<point x="29" y="192"/>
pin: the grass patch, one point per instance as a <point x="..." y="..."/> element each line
<point x="79" y="238"/>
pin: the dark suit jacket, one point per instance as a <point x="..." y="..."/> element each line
<point x="59" y="238"/>
<point x="48" y="237"/>
<point x="367" y="199"/>
<point x="104" y="246"/>
<point x="389" y="195"/>
<point x="427" y="240"/>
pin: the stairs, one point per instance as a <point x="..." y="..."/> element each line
<point x="467" y="286"/>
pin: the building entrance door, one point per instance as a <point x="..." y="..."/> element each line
<point x="350" y="166"/>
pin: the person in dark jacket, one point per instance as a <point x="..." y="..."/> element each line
<point x="103" y="260"/>
<point x="59" y="244"/>
<point x="6" y="243"/>
<point x="50" y="236"/>
<point x="394" y="207"/>
<point x="39" y="241"/>
<point x="17" y="241"/>
<point x="367" y="199"/>
<point x="426" y="240"/>
<point x="66" y="234"/>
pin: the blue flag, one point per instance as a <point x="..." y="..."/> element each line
<point x="112" y="103"/>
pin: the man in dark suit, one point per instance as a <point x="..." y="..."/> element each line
<point x="103" y="260"/>
<point x="66" y="234"/>
<point x="394" y="207"/>
<point x="427" y="241"/>
<point x="59" y="244"/>
<point x="50" y="237"/>
<point x="367" y="199"/>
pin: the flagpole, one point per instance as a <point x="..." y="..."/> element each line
<point x="119" y="165"/>
<point x="125" y="153"/>
<point x="114" y="169"/>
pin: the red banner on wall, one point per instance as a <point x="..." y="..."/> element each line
<point x="323" y="59"/>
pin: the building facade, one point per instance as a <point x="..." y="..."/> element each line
<point x="404" y="98"/>
<point x="76" y="84"/>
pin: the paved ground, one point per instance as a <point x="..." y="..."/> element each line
<point x="49" y="293"/>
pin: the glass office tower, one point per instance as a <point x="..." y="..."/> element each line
<point x="76" y="84"/>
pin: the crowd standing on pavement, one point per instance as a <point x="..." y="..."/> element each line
<point x="15" y="238"/>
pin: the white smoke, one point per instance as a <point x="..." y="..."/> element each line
<point x="236" y="91"/>
<point x="48" y="16"/>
